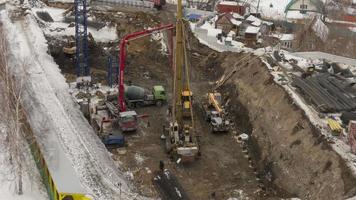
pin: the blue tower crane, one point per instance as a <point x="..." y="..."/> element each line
<point x="81" y="39"/>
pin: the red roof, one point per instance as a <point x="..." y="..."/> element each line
<point x="231" y="6"/>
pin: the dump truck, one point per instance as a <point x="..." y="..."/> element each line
<point x="214" y="113"/>
<point x="136" y="96"/>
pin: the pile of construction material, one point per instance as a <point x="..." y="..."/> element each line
<point x="327" y="93"/>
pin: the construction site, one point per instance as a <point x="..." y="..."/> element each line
<point x="124" y="100"/>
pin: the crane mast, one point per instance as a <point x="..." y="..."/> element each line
<point x="178" y="70"/>
<point x="182" y="141"/>
<point x="81" y="37"/>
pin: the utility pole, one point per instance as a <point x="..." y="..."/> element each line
<point x="119" y="184"/>
<point x="258" y="6"/>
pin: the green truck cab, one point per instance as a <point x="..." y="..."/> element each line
<point x="159" y="94"/>
<point x="138" y="96"/>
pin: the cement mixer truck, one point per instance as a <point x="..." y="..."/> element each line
<point x="136" y="96"/>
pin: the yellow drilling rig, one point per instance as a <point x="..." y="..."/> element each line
<point x="181" y="140"/>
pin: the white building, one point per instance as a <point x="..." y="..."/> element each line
<point x="301" y="9"/>
<point x="286" y="41"/>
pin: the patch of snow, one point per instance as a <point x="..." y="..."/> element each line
<point x="321" y="30"/>
<point x="351" y="11"/>
<point x="267" y="23"/>
<point x="252" y="18"/>
<point x="284" y="36"/>
<point x="239" y="195"/>
<point x="296" y="15"/>
<point x="159" y="37"/>
<point x="207" y="25"/>
<point x="59" y="28"/>
<point x="287" y="37"/>
<point x="256" y="23"/>
<point x="33" y="189"/>
<point x="353" y="29"/>
<point x="252" y="30"/>
<point x="231" y="34"/>
<point x="237" y="16"/>
<point x="236" y="22"/>
<point x="214" y="32"/>
<point x="139" y="158"/>
<point x="237" y="44"/>
<point x="105" y="34"/>
<point x="229" y="3"/>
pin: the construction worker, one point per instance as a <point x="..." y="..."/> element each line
<point x="161" y="165"/>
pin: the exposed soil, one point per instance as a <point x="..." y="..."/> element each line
<point x="292" y="154"/>
<point x="289" y="157"/>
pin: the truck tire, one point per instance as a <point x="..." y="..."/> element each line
<point x="139" y="104"/>
<point x="159" y="103"/>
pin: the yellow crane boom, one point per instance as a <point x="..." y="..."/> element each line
<point x="182" y="137"/>
<point x="215" y="100"/>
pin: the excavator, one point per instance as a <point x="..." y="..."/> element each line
<point x="181" y="137"/>
<point x="215" y="114"/>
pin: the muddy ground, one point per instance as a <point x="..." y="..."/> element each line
<point x="290" y="151"/>
<point x="289" y="157"/>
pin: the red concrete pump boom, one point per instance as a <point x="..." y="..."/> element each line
<point x="122" y="56"/>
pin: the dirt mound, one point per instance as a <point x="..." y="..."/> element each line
<point x="289" y="150"/>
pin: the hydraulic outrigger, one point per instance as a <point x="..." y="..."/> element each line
<point x="181" y="141"/>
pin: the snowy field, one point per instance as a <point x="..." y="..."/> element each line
<point x="60" y="28"/>
<point x="33" y="189"/>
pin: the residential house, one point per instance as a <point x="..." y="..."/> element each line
<point x="265" y="26"/>
<point x="350" y="13"/>
<point x="231" y="6"/>
<point x="251" y="35"/>
<point x="228" y="41"/>
<point x="227" y="23"/>
<point x="298" y="10"/>
<point x="286" y="41"/>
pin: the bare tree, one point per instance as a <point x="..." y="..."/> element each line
<point x="12" y="114"/>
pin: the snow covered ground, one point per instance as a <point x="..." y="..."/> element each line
<point x="51" y="110"/>
<point x="206" y="34"/>
<point x="60" y="28"/>
<point x="33" y="189"/>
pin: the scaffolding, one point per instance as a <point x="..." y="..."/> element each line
<point x="81" y="39"/>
